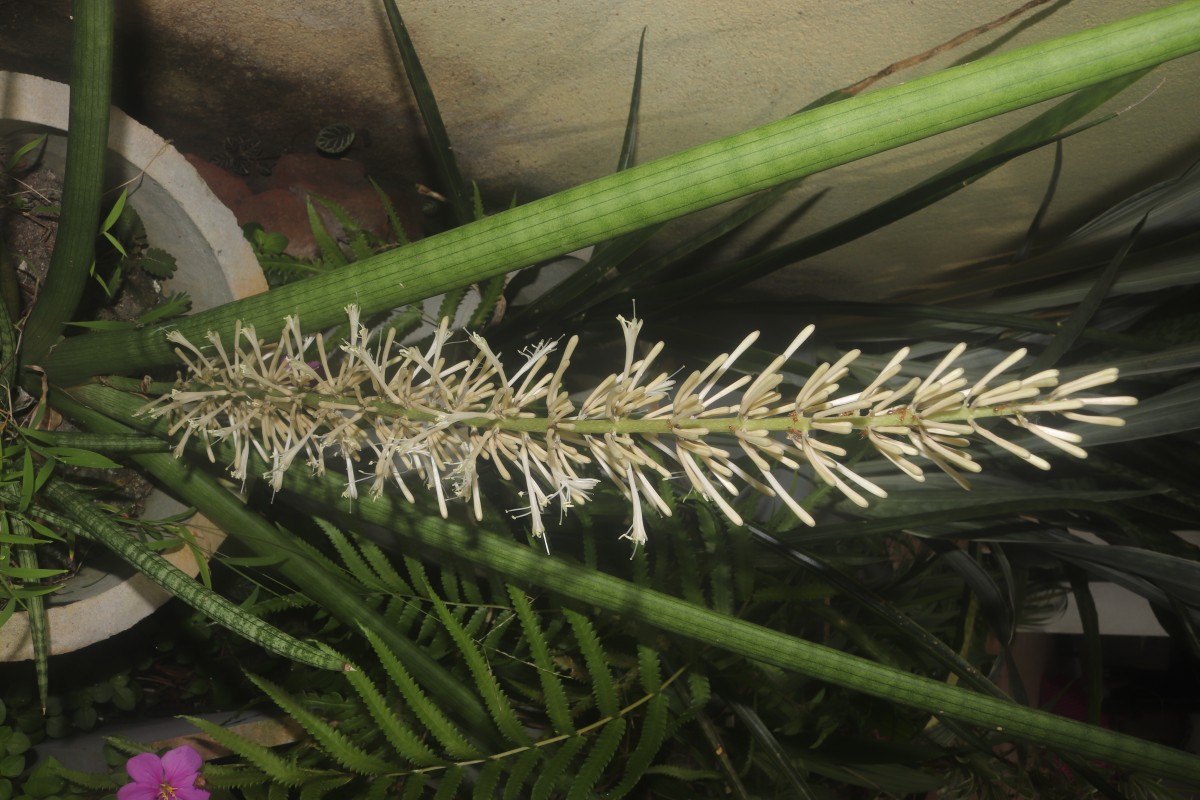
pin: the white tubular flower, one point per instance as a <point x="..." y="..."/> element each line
<point x="397" y="412"/>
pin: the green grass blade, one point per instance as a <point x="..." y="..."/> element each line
<point x="629" y="143"/>
<point x="1070" y="330"/>
<point x="1031" y="136"/>
<point x="455" y="188"/>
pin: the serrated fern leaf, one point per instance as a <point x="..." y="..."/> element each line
<point x="489" y="296"/>
<point x="448" y="786"/>
<point x="88" y="780"/>
<point x="330" y="252"/>
<point x="554" y="696"/>
<point x="334" y="742"/>
<point x="354" y="562"/>
<point x="488" y="781"/>
<point x="556" y="768"/>
<point x="383" y="568"/>
<point x="603" y="749"/>
<point x="414" y="788"/>
<point x="400" y="736"/>
<point x="357" y="238"/>
<point x="513" y="789"/>
<point x="696" y="697"/>
<point x="393" y="218"/>
<point x="604" y="689"/>
<point x="319" y="787"/>
<point x="648" y="669"/>
<point x="654" y="732"/>
<point x="450" y="303"/>
<point x="278" y="768"/>
<point x="233" y="776"/>
<point x="442" y="729"/>
<point x="493" y="696"/>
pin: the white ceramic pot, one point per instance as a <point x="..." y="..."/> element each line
<point x="215" y="265"/>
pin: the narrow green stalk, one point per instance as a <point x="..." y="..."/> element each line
<point x="674" y="186"/>
<point x="519" y="563"/>
<point x="83" y="179"/>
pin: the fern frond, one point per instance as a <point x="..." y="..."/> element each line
<point x="451" y="302"/>
<point x="489" y="297"/>
<point x="393" y="218"/>
<point x="654" y="732"/>
<point x="281" y="770"/>
<point x="383" y="568"/>
<point x="556" y="768"/>
<point x="88" y="780"/>
<point x="414" y="788"/>
<point x="604" y="689"/>
<point x="354" y="562"/>
<point x="335" y="743"/>
<point x="233" y="776"/>
<point x="648" y="669"/>
<point x="442" y="729"/>
<point x="318" y="788"/>
<point x="513" y="789"/>
<point x="402" y="738"/>
<point x="497" y="702"/>
<point x="360" y="240"/>
<point x="554" y="696"/>
<point x="602" y="751"/>
<point x="488" y="781"/>
<point x="330" y="252"/>
<point x="448" y="787"/>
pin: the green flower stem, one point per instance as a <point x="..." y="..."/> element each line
<point x="293" y="559"/>
<point x="671" y="187"/>
<point x="83" y="179"/>
<point x="664" y="426"/>
<point x="520" y="563"/>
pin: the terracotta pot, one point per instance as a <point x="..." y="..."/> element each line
<point x="215" y="265"/>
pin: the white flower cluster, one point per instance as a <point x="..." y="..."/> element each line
<point x="405" y="412"/>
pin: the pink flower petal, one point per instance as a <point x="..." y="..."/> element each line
<point x="145" y="768"/>
<point x="181" y="765"/>
<point x="138" y="791"/>
<point x="191" y="793"/>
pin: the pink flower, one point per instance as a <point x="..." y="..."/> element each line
<point x="171" y="777"/>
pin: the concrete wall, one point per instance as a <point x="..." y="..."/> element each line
<point x="535" y="94"/>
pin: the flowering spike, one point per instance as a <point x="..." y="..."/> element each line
<point x="402" y="412"/>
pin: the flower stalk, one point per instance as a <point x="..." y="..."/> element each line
<point x="402" y="412"/>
